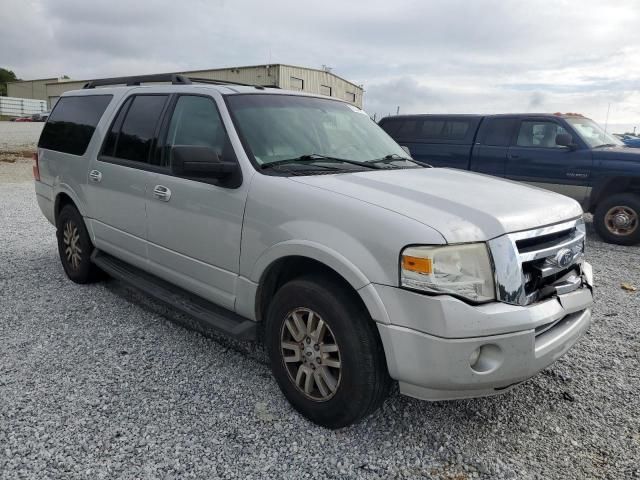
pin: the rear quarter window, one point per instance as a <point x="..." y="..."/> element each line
<point x="72" y="123"/>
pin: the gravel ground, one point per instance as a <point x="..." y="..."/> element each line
<point x="100" y="382"/>
<point x="17" y="143"/>
<point x="15" y="136"/>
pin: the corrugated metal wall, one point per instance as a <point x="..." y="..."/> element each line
<point x="34" y="89"/>
<point x="314" y="80"/>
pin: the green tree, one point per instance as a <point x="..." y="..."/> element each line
<point x="5" y="76"/>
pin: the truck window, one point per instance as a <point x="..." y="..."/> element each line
<point x="72" y="123"/>
<point x="133" y="130"/>
<point x="497" y="132"/>
<point x="195" y="121"/>
<point x="538" y="133"/>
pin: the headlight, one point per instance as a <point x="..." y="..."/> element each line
<point x="463" y="270"/>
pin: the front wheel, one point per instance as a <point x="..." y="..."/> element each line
<point x="617" y="219"/>
<point x="325" y="352"/>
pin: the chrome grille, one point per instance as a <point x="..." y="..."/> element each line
<point x="537" y="264"/>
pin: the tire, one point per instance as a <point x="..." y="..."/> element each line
<point x="75" y="247"/>
<point x="625" y="206"/>
<point x="360" y="384"/>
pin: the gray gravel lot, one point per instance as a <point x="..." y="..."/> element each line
<point x="100" y="382"/>
<point x="14" y="136"/>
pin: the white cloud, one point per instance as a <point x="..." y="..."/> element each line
<point x="424" y="56"/>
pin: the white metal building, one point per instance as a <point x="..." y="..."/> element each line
<point x="287" y="77"/>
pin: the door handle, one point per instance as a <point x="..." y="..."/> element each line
<point x="95" y="176"/>
<point x="513" y="156"/>
<point x="162" y="193"/>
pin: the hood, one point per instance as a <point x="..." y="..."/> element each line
<point x="617" y="153"/>
<point x="462" y="206"/>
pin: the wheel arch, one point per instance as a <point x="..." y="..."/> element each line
<point x="66" y="196"/>
<point x="282" y="264"/>
<point x="611" y="186"/>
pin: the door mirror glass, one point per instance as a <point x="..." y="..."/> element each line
<point x="565" y="140"/>
<point x="199" y="162"/>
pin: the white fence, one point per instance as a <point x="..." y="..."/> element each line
<point x="17" y="107"/>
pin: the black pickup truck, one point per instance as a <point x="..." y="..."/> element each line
<point x="566" y="153"/>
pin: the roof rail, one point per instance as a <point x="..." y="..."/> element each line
<point x="226" y="82"/>
<point x="174" y="78"/>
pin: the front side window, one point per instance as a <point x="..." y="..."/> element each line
<point x="283" y="127"/>
<point x="134" y="128"/>
<point x="542" y="134"/>
<point x="196" y="121"/>
<point x="72" y="123"/>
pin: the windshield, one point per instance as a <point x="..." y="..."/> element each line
<point x="288" y="127"/>
<point x="592" y="133"/>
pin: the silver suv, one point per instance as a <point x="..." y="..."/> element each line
<point x="294" y="220"/>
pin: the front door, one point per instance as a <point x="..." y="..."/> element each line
<point x="119" y="179"/>
<point x="537" y="159"/>
<point x="195" y="225"/>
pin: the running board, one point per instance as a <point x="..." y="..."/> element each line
<point x="207" y="312"/>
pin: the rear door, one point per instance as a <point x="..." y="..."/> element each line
<point x="120" y="175"/>
<point x="535" y="158"/>
<point x="492" y="145"/>
<point x="195" y="224"/>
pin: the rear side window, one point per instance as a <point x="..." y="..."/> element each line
<point x="497" y="132"/>
<point x="133" y="131"/>
<point x="72" y="123"/>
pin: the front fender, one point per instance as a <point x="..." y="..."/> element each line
<point x="332" y="259"/>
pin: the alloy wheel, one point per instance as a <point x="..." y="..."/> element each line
<point x="310" y="354"/>
<point x="72" y="250"/>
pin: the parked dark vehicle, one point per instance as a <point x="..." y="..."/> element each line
<point x="566" y="153"/>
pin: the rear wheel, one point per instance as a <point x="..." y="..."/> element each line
<point x="617" y="219"/>
<point x="325" y="352"/>
<point x="75" y="247"/>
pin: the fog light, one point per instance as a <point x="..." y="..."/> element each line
<point x="486" y="359"/>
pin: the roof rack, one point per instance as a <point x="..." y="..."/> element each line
<point x="174" y="78"/>
<point x="227" y="82"/>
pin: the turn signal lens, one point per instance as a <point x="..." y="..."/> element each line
<point x="417" y="264"/>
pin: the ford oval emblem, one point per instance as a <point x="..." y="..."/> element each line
<point x="564" y="257"/>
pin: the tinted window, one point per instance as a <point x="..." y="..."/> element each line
<point x="431" y="129"/>
<point x="407" y="129"/>
<point x="455" y="130"/>
<point x="139" y="127"/>
<point x="196" y="121"/>
<point x="72" y="123"/>
<point x="497" y="131"/>
<point x="536" y="133"/>
<point x="112" y="136"/>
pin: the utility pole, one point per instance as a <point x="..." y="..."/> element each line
<point x="606" y="123"/>
<point x="398" y="110"/>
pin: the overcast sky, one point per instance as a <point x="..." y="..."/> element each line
<point x="449" y="56"/>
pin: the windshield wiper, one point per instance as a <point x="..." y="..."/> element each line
<point x="314" y="157"/>
<point x="394" y="157"/>
<point x="606" y="145"/>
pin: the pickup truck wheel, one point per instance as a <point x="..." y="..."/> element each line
<point x="75" y="247"/>
<point x="617" y="219"/>
<point x="325" y="352"/>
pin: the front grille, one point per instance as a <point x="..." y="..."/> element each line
<point x="538" y="264"/>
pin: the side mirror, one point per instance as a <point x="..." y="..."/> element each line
<point x="200" y="162"/>
<point x="565" y="140"/>
<point x="406" y="149"/>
